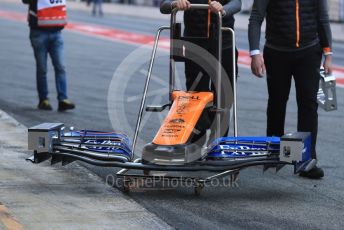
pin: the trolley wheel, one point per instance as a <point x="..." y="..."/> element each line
<point x="198" y="189"/>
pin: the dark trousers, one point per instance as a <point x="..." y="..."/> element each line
<point x="197" y="79"/>
<point x="303" y="66"/>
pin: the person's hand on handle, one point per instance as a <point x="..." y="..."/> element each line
<point x="216" y="7"/>
<point x="328" y="64"/>
<point x="181" y="4"/>
<point x="257" y="65"/>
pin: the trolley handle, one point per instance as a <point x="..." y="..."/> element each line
<point x="172" y="28"/>
<point x="196" y="7"/>
<point x="219" y="66"/>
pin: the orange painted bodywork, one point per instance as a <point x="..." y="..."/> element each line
<point x="182" y="118"/>
<point x="297" y="23"/>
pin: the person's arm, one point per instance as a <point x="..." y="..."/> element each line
<point x="325" y="35"/>
<point x="255" y="23"/>
<point x="232" y="7"/>
<point x="254" y="29"/>
<point x="324" y="29"/>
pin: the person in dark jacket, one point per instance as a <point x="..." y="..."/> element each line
<point x="46" y="20"/>
<point x="196" y="25"/>
<point x="298" y="34"/>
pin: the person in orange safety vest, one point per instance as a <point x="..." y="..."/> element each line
<point x="46" y="20"/>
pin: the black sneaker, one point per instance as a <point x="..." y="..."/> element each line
<point x="314" y="173"/>
<point x="66" y="105"/>
<point x="44" y="105"/>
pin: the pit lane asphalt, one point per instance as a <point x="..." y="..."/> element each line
<point x="269" y="200"/>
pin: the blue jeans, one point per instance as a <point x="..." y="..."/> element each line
<point x="44" y="43"/>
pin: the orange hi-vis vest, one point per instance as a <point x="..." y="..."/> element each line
<point x="51" y="13"/>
